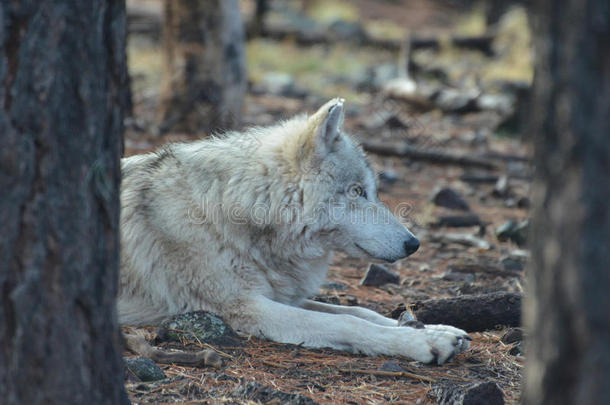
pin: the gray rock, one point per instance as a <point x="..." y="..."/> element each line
<point x="523" y="202"/>
<point x="512" y="263"/>
<point x="514" y="231"/>
<point x="502" y="103"/>
<point x="502" y="188"/>
<point x="378" y="275"/>
<point x="449" y="198"/>
<point x="201" y="326"/>
<point x="144" y="369"/>
<point x="455" y="100"/>
<point x="484" y="393"/>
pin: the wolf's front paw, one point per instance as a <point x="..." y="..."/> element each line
<point x="436" y="344"/>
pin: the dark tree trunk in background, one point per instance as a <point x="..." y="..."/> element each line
<point x="61" y="78"/>
<point x="205" y="75"/>
<point x="568" y="308"/>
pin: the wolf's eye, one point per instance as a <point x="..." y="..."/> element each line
<point x="357" y="191"/>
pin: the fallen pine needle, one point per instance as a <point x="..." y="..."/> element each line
<point x="389" y="374"/>
<point x="273" y="364"/>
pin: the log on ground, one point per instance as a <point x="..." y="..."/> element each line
<point x="473" y="313"/>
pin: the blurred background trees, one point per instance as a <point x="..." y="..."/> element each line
<point x="204" y="77"/>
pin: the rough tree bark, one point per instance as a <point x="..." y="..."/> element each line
<point x="61" y="77"/>
<point x="568" y="305"/>
<point x="205" y="74"/>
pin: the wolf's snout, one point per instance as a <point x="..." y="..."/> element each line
<point x="411" y="245"/>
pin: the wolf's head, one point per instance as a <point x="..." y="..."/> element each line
<point x="340" y="192"/>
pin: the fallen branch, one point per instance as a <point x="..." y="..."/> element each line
<point x="434" y="156"/>
<point x="475" y="268"/>
<point x="464" y="239"/>
<point x="457" y="221"/>
<point x="473" y="313"/>
<point x="139" y="345"/>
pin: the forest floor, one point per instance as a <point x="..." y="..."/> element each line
<point x="294" y="374"/>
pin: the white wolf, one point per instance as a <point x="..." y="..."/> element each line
<point x="244" y="226"/>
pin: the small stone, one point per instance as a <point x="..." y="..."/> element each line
<point x="484" y="393"/>
<point x="512" y="335"/>
<point x="449" y="198"/>
<point x="510" y="203"/>
<point x="424" y="268"/>
<point x="520" y="254"/>
<point x="487" y="393"/>
<point x="521" y="232"/>
<point x="502" y="188"/>
<point x="378" y="275"/>
<point x="502" y="103"/>
<point x="516" y="350"/>
<point x="451" y="275"/>
<point x="516" y="232"/>
<point x="351" y="301"/>
<point x="391" y="366"/>
<point x="144" y="368"/>
<point x="200" y="326"/>
<point x="523" y="202"/>
<point x="455" y="100"/>
<point x="511" y="263"/>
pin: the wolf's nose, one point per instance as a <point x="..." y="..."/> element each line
<point x="411" y="246"/>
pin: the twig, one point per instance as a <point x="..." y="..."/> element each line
<point x="389" y="374"/>
<point x="274" y="364"/>
<point x="139" y="345"/>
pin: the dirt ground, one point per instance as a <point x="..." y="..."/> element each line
<point x="327" y="376"/>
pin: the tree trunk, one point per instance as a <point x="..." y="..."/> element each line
<point x="205" y="75"/>
<point x="61" y="78"/>
<point x="568" y="306"/>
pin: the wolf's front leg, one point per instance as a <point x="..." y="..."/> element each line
<point x="358" y="312"/>
<point x="286" y="324"/>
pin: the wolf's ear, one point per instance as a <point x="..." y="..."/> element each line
<point x="328" y="123"/>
